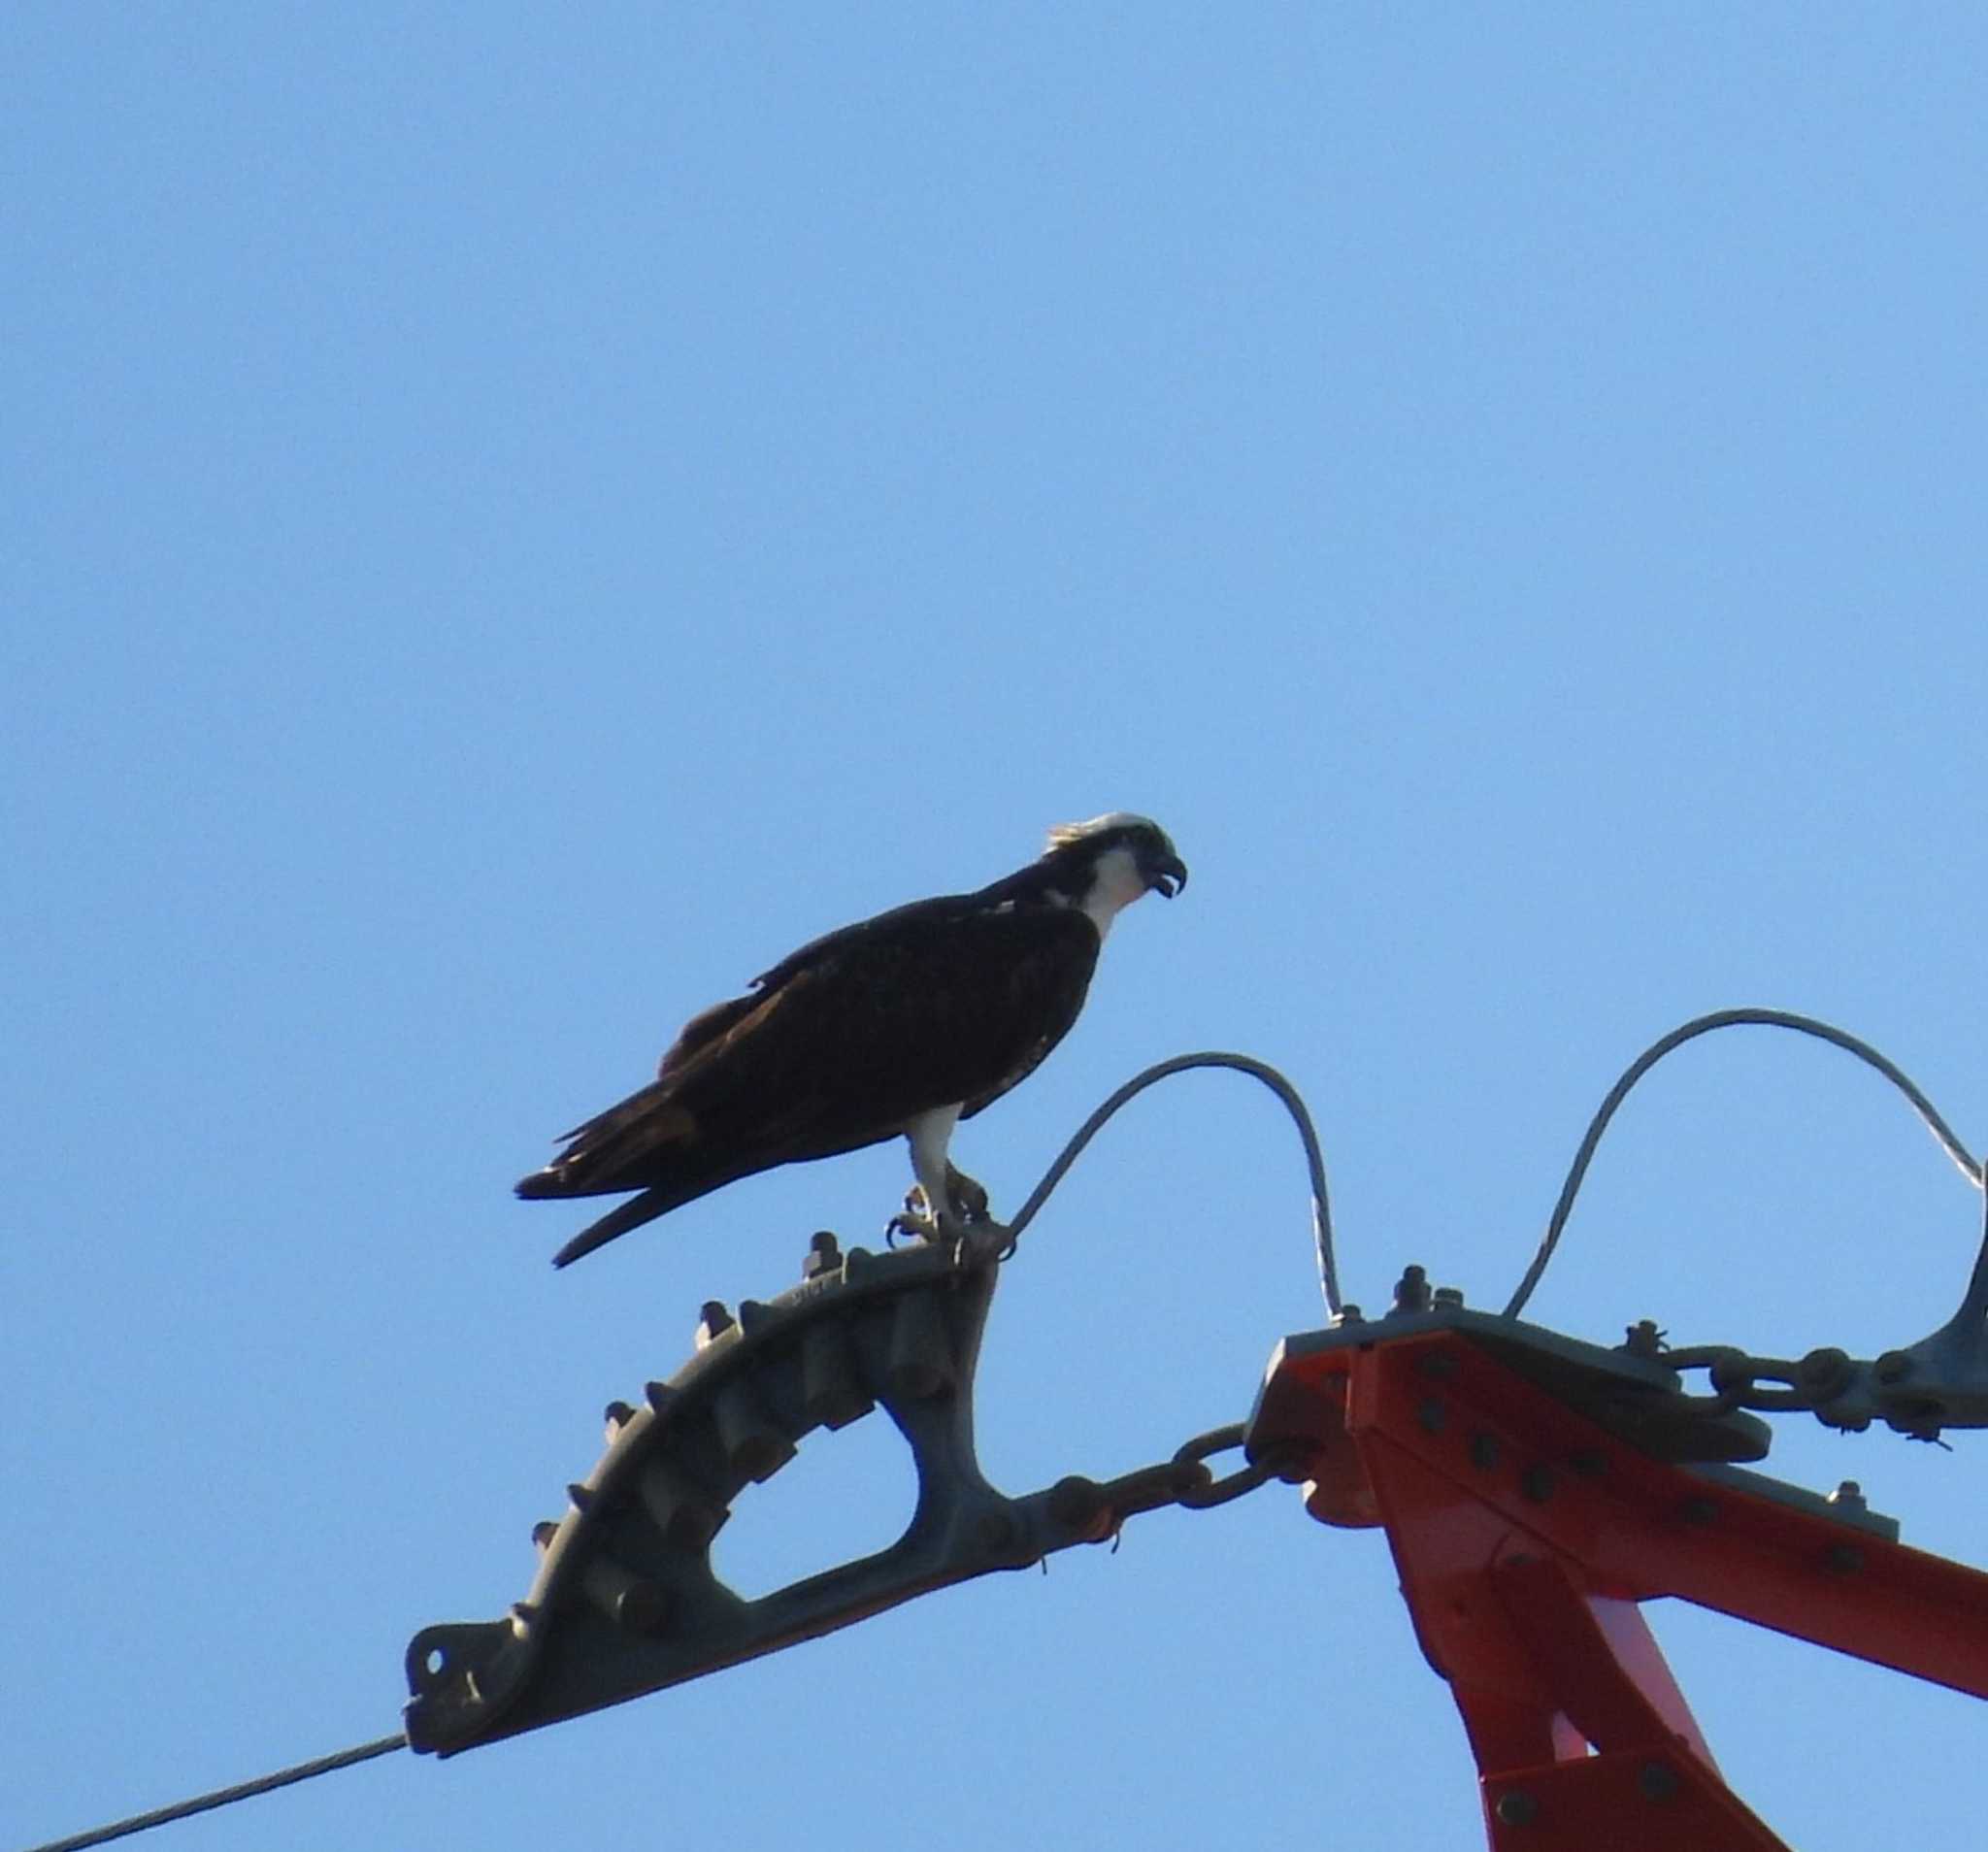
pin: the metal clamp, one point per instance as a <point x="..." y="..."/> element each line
<point x="625" y="1601"/>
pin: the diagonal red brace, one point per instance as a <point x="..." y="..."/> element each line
<point x="1528" y="1524"/>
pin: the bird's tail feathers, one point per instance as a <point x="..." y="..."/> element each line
<point x="601" y="1154"/>
<point x="631" y="1213"/>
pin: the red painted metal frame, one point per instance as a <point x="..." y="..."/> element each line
<point x="1526" y="1537"/>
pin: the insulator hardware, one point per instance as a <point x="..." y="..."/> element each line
<point x="832" y="1391"/>
<point x="752" y="1444"/>
<point x="687" y="1517"/>
<point x="630" y="1600"/>
<point x="625" y="1582"/>
<point x="920" y="1356"/>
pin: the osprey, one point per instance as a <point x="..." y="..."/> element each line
<point x="903" y="1024"/>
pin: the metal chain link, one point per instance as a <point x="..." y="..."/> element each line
<point x="1805" y="1384"/>
<point x="1102" y="1506"/>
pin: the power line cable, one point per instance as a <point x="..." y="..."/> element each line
<point x="1962" y="1159"/>
<point x="1314" y="1159"/>
<point x="224" y="1797"/>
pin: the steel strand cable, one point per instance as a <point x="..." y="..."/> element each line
<point x="1294" y="1104"/>
<point x="1962" y="1159"/>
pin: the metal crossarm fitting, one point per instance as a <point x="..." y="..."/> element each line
<point x="1941" y="1382"/>
<point x="625" y="1601"/>
<point x="1535" y="1490"/>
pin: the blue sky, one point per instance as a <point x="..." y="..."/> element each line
<point x="517" y="518"/>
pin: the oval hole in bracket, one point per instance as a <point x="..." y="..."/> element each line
<point x="844" y="1494"/>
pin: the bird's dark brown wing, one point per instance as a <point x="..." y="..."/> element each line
<point x="848" y="1042"/>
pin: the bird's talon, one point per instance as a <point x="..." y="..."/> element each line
<point x="918" y="1228"/>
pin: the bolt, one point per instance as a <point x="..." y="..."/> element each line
<point x="544" y="1532"/>
<point x="1849" y="1496"/>
<point x="713" y="1320"/>
<point x="1348" y="1314"/>
<point x="642" y="1607"/>
<point x="1411" y="1290"/>
<point x="823" y="1256"/>
<point x="1484" y="1451"/>
<point x="1449" y="1299"/>
<point x="616" y="1415"/>
<point x="1658" y="1780"/>
<point x="1643" y="1339"/>
<point x="1516" y="1807"/>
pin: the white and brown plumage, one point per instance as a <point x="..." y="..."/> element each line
<point x="901" y="1025"/>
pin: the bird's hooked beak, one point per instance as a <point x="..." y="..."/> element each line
<point x="1168" y="874"/>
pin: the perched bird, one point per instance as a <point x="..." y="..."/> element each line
<point x="903" y="1024"/>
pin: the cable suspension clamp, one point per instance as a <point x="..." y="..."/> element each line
<point x="625" y="1601"/>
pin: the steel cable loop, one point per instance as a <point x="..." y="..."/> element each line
<point x="1314" y="1159"/>
<point x="1962" y="1159"/>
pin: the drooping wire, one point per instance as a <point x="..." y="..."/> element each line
<point x="1321" y="1210"/>
<point x="1962" y="1159"/>
<point x="224" y="1797"/>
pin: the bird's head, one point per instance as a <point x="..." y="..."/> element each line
<point x="1107" y="863"/>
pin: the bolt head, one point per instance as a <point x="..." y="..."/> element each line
<point x="1658" y="1780"/>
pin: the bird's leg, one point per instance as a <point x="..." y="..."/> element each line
<point x="929" y="1211"/>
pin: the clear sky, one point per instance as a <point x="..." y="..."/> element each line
<point x="516" y="516"/>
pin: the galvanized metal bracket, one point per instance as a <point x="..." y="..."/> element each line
<point x="625" y="1601"/>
